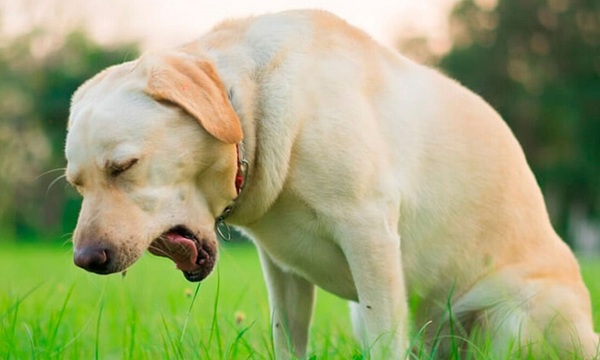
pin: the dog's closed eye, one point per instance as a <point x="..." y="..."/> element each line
<point x="117" y="168"/>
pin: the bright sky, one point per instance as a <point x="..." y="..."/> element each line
<point x="160" y="23"/>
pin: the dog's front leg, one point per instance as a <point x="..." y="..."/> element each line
<point x="375" y="263"/>
<point x="291" y="300"/>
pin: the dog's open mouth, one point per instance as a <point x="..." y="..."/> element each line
<point x="194" y="257"/>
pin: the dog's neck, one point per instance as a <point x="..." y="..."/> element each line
<point x="242" y="169"/>
<point x="221" y="226"/>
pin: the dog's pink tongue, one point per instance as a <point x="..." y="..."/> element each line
<point x="177" y="248"/>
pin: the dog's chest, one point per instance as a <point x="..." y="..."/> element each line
<point x="297" y="240"/>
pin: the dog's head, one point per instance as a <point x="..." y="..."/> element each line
<point x="151" y="147"/>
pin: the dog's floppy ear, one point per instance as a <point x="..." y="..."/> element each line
<point x="194" y="85"/>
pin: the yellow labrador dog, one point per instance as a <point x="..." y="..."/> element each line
<point x="352" y="168"/>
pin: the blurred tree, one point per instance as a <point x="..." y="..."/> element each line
<point x="38" y="75"/>
<point x="538" y="63"/>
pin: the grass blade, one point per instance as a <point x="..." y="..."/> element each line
<point x="60" y="316"/>
<point x="174" y="345"/>
<point x="20" y="300"/>
<point x="214" y="327"/>
<point x="98" y="322"/>
<point x="189" y="312"/>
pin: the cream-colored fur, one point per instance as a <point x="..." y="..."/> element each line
<point x="369" y="176"/>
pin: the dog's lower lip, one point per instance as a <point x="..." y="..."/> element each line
<point x="193" y="276"/>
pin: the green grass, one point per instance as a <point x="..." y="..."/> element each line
<point x="49" y="309"/>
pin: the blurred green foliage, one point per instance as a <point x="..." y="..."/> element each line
<point x="538" y="63"/>
<point x="38" y="75"/>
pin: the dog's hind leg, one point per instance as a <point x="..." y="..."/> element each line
<point x="520" y="316"/>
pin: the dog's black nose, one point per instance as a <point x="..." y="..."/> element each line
<point x="94" y="259"/>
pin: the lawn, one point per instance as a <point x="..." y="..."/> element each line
<point x="51" y="309"/>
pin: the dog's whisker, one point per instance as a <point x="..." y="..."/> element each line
<point x="159" y="250"/>
<point x="49" y="172"/>
<point x="60" y="177"/>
